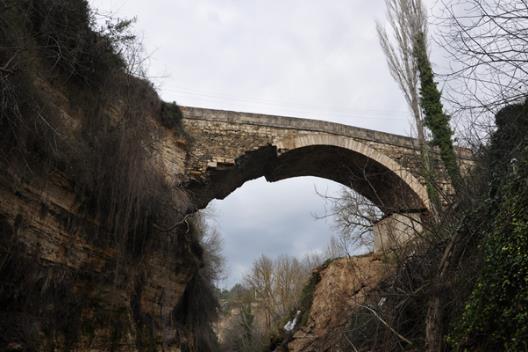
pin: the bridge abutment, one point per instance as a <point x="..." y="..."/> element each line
<point x="396" y="230"/>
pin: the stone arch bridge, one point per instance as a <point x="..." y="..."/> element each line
<point x="229" y="148"/>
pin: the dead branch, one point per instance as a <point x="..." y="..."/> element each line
<point x="401" y="337"/>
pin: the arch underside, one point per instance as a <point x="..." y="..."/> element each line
<point x="382" y="186"/>
<point x="383" y="182"/>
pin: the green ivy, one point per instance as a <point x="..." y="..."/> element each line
<point x="435" y="119"/>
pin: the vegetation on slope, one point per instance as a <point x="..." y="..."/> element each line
<point x="468" y="271"/>
<point x="495" y="316"/>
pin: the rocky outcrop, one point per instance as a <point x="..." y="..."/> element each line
<point x="343" y="288"/>
<point x="67" y="286"/>
<point x="48" y="254"/>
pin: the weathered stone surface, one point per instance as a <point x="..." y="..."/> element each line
<point x="392" y="232"/>
<point x="344" y="286"/>
<point x="64" y="262"/>
<point x="50" y="232"/>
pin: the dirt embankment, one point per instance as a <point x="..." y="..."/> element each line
<point x="342" y="290"/>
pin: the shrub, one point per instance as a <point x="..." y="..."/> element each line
<point x="170" y="115"/>
<point x="64" y="31"/>
<point x="199" y="307"/>
<point x="495" y="316"/>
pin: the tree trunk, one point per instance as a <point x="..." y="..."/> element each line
<point x="434" y="330"/>
<point x="433" y="325"/>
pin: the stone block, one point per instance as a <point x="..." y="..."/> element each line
<point x="394" y="231"/>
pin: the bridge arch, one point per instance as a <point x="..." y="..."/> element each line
<point x="413" y="188"/>
<point x="339" y="158"/>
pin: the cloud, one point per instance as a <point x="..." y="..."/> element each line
<point x="310" y="59"/>
<point x="272" y="219"/>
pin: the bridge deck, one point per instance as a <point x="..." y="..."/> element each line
<point x="296" y="123"/>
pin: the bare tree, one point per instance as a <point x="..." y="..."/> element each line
<point x="274" y="289"/>
<point x="354" y="217"/>
<point x="407" y="18"/>
<point x="261" y="280"/>
<point x="410" y="66"/>
<point x="290" y="277"/>
<point x="211" y="241"/>
<point x="335" y="248"/>
<point x="311" y="261"/>
<point x="488" y="43"/>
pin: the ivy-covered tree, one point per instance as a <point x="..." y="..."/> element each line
<point x="435" y="119"/>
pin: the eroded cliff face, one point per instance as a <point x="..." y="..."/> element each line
<point x="95" y="252"/>
<point x="67" y="282"/>
<point x="70" y="289"/>
<point x="343" y="289"/>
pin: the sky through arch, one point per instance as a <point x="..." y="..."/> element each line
<point x="257" y="219"/>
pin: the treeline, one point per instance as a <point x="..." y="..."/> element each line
<point x="256" y="311"/>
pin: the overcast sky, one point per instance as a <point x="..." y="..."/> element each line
<point x="304" y="58"/>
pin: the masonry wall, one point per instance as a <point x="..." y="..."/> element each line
<point x="223" y="136"/>
<point x="218" y="138"/>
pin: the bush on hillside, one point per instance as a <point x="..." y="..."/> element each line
<point x="495" y="316"/>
